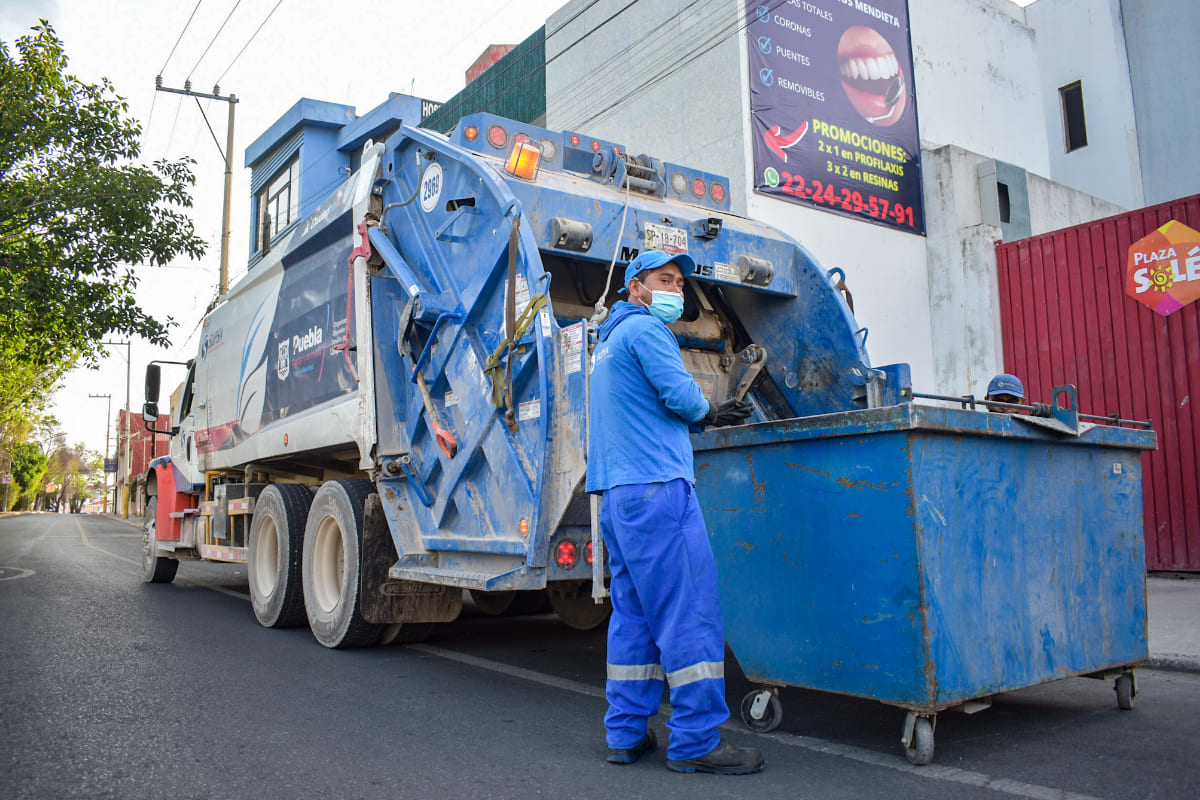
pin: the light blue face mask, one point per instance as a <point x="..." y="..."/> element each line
<point x="666" y="306"/>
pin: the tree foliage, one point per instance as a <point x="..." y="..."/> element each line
<point x="77" y="213"/>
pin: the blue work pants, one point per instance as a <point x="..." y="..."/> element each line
<point x="666" y="620"/>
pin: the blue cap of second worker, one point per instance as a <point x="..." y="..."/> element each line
<point x="653" y="259"/>
<point x="1006" y="384"/>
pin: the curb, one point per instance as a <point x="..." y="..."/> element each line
<point x="1172" y="663"/>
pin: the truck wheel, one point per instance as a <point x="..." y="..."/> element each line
<point x="155" y="568"/>
<point x="331" y="565"/>
<point x="276" y="543"/>
<point x="492" y="603"/>
<point x="573" y="603"/>
<point x="405" y="633"/>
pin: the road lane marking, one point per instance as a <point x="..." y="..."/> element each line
<point x="12" y="573"/>
<point x="860" y="754"/>
<point x="506" y="669"/>
<point x="219" y="589"/>
<point x="87" y="543"/>
<point x="186" y="581"/>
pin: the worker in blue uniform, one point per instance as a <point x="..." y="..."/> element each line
<point x="666" y="622"/>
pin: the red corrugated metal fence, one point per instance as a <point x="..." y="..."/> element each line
<point x="1067" y="319"/>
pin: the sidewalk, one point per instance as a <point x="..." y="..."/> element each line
<point x="1174" y="610"/>
<point x="1174" y="616"/>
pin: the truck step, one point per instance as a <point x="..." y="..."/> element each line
<point x="516" y="547"/>
<point x="467" y="579"/>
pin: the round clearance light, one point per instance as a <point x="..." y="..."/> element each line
<point x="471" y="133"/>
<point x="679" y="183"/>
<point x="718" y="192"/>
<point x="574" y="140"/>
<point x="587" y="553"/>
<point x="497" y="136"/>
<point x="566" y="554"/>
<point x="698" y="187"/>
<point x="595" y="145"/>
<point x="549" y="149"/>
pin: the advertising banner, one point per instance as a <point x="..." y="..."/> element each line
<point x="1163" y="269"/>
<point x="833" y="108"/>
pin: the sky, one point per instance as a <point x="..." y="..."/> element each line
<point x="304" y="49"/>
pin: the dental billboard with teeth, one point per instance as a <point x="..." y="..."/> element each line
<point x="833" y="109"/>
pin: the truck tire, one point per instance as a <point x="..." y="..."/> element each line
<point x="155" y="568"/>
<point x="572" y="602"/>
<point x="273" y="555"/>
<point x="331" y="563"/>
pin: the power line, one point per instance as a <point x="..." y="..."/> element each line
<point x="248" y="41"/>
<point x="180" y="39"/>
<point x="154" y="99"/>
<point x="214" y="39"/>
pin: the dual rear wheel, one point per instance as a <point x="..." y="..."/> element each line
<point x="304" y="563"/>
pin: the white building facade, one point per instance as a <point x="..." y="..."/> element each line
<point x="671" y="78"/>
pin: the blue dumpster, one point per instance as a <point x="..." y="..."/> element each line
<point x="926" y="557"/>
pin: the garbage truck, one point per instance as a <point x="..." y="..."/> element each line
<point x="390" y="407"/>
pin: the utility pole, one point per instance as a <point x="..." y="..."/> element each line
<point x="126" y="429"/>
<point x="107" y="417"/>
<point x="231" y="99"/>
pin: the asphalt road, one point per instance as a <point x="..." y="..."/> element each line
<point x="112" y="688"/>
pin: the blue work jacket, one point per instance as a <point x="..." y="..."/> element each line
<point x="642" y="401"/>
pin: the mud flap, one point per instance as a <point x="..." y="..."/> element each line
<point x="385" y="601"/>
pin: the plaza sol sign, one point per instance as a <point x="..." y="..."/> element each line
<point x="1163" y="269"/>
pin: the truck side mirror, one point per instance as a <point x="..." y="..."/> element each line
<point x="153" y="373"/>
<point x="150" y="413"/>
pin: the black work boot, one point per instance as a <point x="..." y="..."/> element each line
<point x="632" y="754"/>
<point x="725" y="759"/>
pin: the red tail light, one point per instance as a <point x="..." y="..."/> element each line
<point x="566" y="554"/>
<point x="587" y="553"/>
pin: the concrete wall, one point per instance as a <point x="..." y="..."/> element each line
<point x="1164" y="60"/>
<point x="689" y="112"/>
<point x="976" y="73"/>
<point x="1083" y="40"/>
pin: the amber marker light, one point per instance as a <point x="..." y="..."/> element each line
<point x="471" y="133"/>
<point x="524" y="158"/>
<point x="523" y="527"/>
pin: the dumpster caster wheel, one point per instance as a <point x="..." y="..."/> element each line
<point x="761" y="710"/>
<point x="918" y="739"/>
<point x="1126" y="689"/>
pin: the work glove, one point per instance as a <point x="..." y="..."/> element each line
<point x="728" y="412"/>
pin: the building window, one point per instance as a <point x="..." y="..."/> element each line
<point x="1074" y="123"/>
<point x="279" y="203"/>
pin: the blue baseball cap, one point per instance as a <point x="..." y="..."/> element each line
<point x="1006" y="384"/>
<point x="653" y="259"/>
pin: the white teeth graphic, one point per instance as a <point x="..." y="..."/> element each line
<point x="874" y="69"/>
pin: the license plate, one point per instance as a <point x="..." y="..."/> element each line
<point x="666" y="238"/>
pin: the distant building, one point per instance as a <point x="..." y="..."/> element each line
<point x="136" y="447"/>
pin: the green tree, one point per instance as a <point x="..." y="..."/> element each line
<point x="76" y="214"/>
<point x="75" y="470"/>
<point x="28" y="468"/>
